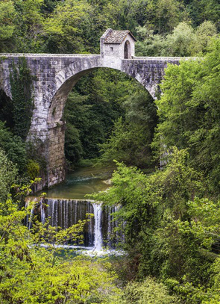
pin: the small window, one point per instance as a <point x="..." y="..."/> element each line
<point x="111" y="48"/>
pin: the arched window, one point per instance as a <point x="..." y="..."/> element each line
<point x="127" y="50"/>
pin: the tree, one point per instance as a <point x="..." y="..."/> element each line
<point x="28" y="26"/>
<point x="131" y="138"/>
<point x="92" y="109"/>
<point x="8" y="174"/>
<point x="22" y="103"/>
<point x="7" y="15"/>
<point x="203" y="33"/>
<point x="188" y="111"/>
<point x="14" y="148"/>
<point x="147" y="292"/>
<point x="150" y="44"/>
<point x="171" y="231"/>
<point x="201" y="11"/>
<point x="181" y="40"/>
<point x="64" y="29"/>
<point x="30" y="273"/>
<point x="168" y="13"/>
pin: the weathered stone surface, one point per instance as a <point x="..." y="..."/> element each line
<point x="55" y="77"/>
<point x="117" y="44"/>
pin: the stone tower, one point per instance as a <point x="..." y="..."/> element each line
<point x="117" y="44"/>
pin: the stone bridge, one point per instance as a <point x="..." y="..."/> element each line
<point x="55" y="76"/>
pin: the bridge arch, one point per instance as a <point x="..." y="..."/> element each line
<point x="55" y="75"/>
<point x="65" y="80"/>
<point x="67" y="77"/>
<point x="65" y="85"/>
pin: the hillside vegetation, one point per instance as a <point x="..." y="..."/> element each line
<point x="172" y="211"/>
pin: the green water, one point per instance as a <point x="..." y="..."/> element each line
<point x="81" y="182"/>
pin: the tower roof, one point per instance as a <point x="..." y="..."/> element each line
<point x="116" y="37"/>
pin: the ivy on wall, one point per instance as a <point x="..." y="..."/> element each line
<point x="22" y="106"/>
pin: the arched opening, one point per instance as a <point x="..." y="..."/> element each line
<point x="127" y="50"/>
<point x="57" y="122"/>
<point x="98" y="105"/>
<point x="99" y="119"/>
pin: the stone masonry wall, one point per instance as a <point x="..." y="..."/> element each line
<point x="55" y="77"/>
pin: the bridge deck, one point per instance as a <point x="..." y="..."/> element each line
<point x="5" y="55"/>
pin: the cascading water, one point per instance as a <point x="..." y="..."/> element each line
<point x="65" y="213"/>
<point x="29" y="220"/>
<point x="98" y="232"/>
<point x="42" y="212"/>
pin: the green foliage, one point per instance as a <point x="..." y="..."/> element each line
<point x="203" y="10"/>
<point x="100" y="100"/>
<point x="131" y="137"/>
<point x="203" y="33"/>
<point x="169" y="14"/>
<point x="28" y="26"/>
<point x="205" y="216"/>
<point x="48" y="6"/>
<point x="150" y="44"/>
<point x="6" y="109"/>
<point x="213" y="296"/>
<point x="73" y="145"/>
<point x="64" y="29"/>
<point x="172" y="228"/>
<point x="147" y="292"/>
<point x="86" y="127"/>
<point x="129" y="143"/>
<point x="7" y="13"/>
<point x="30" y="273"/>
<point x="97" y="103"/>
<point x="34" y="150"/>
<point x="181" y="39"/>
<point x="189" y="111"/>
<point x="76" y="26"/>
<point x="184" y="40"/>
<point x="168" y="227"/>
<point x="140" y="194"/>
<point x="14" y="147"/>
<point x="70" y="26"/>
<point x="8" y="174"/>
<point x="33" y="169"/>
<point x="21" y="80"/>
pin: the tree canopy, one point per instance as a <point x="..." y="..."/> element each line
<point x="167" y="181"/>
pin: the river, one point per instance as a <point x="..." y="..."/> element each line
<point x="81" y="182"/>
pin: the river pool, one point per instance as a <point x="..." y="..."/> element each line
<point x="81" y="182"/>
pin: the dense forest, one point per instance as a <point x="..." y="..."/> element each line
<point x="166" y="152"/>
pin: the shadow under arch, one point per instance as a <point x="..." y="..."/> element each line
<point x="6" y="107"/>
<point x="59" y="99"/>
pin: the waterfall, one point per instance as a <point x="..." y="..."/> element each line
<point x="98" y="232"/>
<point x="90" y="228"/>
<point x="29" y="218"/>
<point x="64" y="213"/>
<point x="42" y="212"/>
